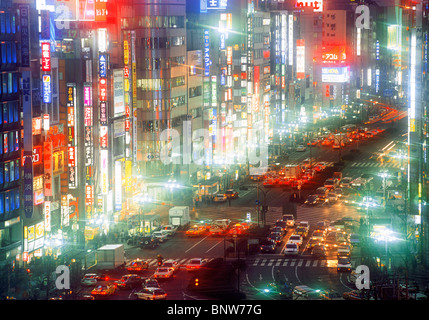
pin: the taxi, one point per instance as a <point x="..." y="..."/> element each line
<point x="104" y="290"/>
<point x="196" y="231"/>
<point x="137" y="265"/>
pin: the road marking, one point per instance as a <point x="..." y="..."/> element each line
<point x="300" y="263"/>
<point x="214" y="246"/>
<point x="285" y="263"/>
<point x="270" y="263"/>
<point x="197" y="243"/>
<point x="256" y="262"/>
<point x="279" y="261"/>
<point x="263" y="262"/>
<point x="292" y="263"/>
<point x="315" y="263"/>
<point x="308" y="263"/>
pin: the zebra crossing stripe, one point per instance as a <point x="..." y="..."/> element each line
<point x="315" y="263"/>
<point x="292" y="263"/>
<point x="308" y="263"/>
<point x="279" y="261"/>
<point x="285" y="263"/>
<point x="300" y="262"/>
<point x="270" y="263"/>
<point x="263" y="262"/>
<point x="256" y="262"/>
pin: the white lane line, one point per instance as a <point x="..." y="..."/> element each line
<point x="214" y="246"/>
<point x="197" y="243"/>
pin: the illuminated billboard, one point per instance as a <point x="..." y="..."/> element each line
<point x="333" y="54"/>
<point x="317" y="5"/>
<point x="335" y="74"/>
<point x="300" y="58"/>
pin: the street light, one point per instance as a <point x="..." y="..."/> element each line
<point x="384" y="175"/>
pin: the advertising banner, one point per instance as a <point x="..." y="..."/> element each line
<point x="335" y="74"/>
<point x="118" y="92"/>
<point x="47" y="166"/>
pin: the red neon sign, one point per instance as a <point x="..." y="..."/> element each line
<point x="46" y="56"/>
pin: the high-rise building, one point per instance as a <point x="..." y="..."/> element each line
<point x="161" y="78"/>
<point x="10" y="137"/>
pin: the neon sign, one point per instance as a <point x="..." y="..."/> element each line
<point x="316" y="5"/>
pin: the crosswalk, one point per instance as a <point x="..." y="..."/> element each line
<point x="305" y="263"/>
<point x="327" y="163"/>
<point x="181" y="261"/>
<point x="268" y="262"/>
<point x="360" y="164"/>
<point x="375" y="165"/>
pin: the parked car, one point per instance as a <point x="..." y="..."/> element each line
<point x="150" y="294"/>
<point x="169" y="229"/>
<point x="162" y="235"/>
<point x="291" y="249"/>
<point x="148" y="242"/>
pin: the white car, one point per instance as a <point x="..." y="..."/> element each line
<point x="163" y="273"/>
<point x="297" y="239"/>
<point x="89" y="280"/>
<point x="291" y="249"/>
<point x="160" y="235"/>
<point x="171" y="264"/>
<point x="220" y="197"/>
<point x="150" y="294"/>
<point x="169" y="229"/>
<point x="290" y="220"/>
<point x="344" y="264"/>
<point x="300" y="148"/>
<point x="195" y="264"/>
<point x="358" y="182"/>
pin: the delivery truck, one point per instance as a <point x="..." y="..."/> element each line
<point x="292" y="171"/>
<point x="110" y="257"/>
<point x="179" y="216"/>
